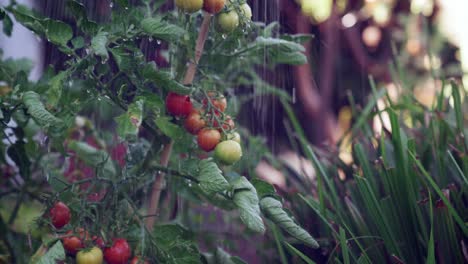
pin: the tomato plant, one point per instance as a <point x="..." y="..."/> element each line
<point x="110" y="129"/>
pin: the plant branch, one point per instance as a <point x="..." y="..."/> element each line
<point x="166" y="152"/>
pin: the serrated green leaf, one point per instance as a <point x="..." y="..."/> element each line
<point x="77" y="9"/>
<point x="284" y="45"/>
<point x="128" y="124"/>
<point x="123" y="58"/>
<point x="57" y="32"/>
<point x="38" y="112"/>
<point x="55" y="91"/>
<point x="7" y="25"/>
<point x="55" y="254"/>
<point x="168" y="128"/>
<point x="263" y="188"/>
<point x="177" y="243"/>
<point x="246" y="199"/>
<point x="93" y="157"/>
<point x="211" y="178"/>
<point x="28" y="19"/>
<point x="273" y="210"/>
<point x="159" y="29"/>
<point x="153" y="102"/>
<point x="298" y="38"/>
<point x="78" y="42"/>
<point x="280" y="51"/>
<point x="163" y="79"/>
<point x="99" y="44"/>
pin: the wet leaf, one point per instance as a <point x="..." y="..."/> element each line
<point x="246" y="199"/>
<point x="273" y="210"/>
<point x="210" y="177"/>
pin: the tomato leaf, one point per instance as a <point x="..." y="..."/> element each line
<point x="57" y="32"/>
<point x="246" y="199"/>
<point x="280" y="51"/>
<point x="7" y="24"/>
<point x="177" y="243"/>
<point x="129" y="123"/>
<point x="36" y="109"/>
<point x="99" y="44"/>
<point x="163" y="79"/>
<point x="159" y="29"/>
<point x="273" y="210"/>
<point x="263" y="188"/>
<point x="94" y="157"/>
<point x="210" y="177"/>
<point x="55" y="254"/>
<point x="123" y="58"/>
<point x="55" y="91"/>
<point x="168" y="128"/>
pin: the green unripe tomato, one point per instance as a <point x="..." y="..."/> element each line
<point x="234" y="136"/>
<point x="228" y="152"/>
<point x="246" y="11"/>
<point x="189" y="6"/>
<point x="227" y="22"/>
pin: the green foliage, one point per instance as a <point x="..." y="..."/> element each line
<point x="273" y="209"/>
<point x="246" y="199"/>
<point x="104" y="98"/>
<point x="54" y="254"/>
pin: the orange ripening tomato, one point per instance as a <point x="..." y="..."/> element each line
<point x="208" y="139"/>
<point x="194" y="122"/>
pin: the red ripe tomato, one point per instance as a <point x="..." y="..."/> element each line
<point x="137" y="260"/>
<point x="217" y="100"/>
<point x="208" y="139"/>
<point x="60" y="215"/>
<point x="194" y="122"/>
<point x="213" y="6"/>
<point x="178" y="105"/>
<point x="118" y="253"/>
<point x="72" y="244"/>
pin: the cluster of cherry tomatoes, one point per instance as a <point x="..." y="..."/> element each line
<point x="227" y="20"/>
<point x="78" y="245"/>
<point x="212" y="127"/>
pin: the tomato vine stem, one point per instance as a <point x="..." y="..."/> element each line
<point x="167" y="150"/>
